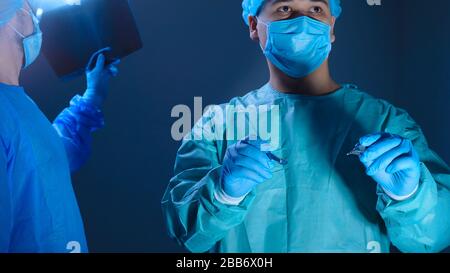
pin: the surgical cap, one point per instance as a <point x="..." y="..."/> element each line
<point x="8" y="9"/>
<point x="252" y="8"/>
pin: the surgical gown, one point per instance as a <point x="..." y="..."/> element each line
<point x="38" y="208"/>
<point x="322" y="200"/>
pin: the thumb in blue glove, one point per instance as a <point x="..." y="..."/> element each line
<point x="393" y="163"/>
<point x="98" y="75"/>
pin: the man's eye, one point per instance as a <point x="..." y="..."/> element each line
<point x="316" y="10"/>
<point x="285" y="9"/>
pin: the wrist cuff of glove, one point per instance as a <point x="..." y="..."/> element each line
<point x="91" y="97"/>
<point x="225" y="199"/>
<point x="86" y="113"/>
<point x="85" y="104"/>
<point x="400" y="198"/>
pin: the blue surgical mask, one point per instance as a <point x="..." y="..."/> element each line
<point x="31" y="44"/>
<point x="299" y="46"/>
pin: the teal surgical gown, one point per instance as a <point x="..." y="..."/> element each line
<point x="322" y="200"/>
<point x="38" y="209"/>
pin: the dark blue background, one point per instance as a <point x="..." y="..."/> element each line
<point x="398" y="51"/>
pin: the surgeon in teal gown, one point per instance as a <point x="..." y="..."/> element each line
<point x="38" y="207"/>
<point x="397" y="192"/>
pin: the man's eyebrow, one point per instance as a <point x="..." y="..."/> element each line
<point x="279" y="1"/>
<point x="287" y="1"/>
<point x="323" y="1"/>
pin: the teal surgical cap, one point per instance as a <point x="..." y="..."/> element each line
<point x="252" y="8"/>
<point x="8" y="9"/>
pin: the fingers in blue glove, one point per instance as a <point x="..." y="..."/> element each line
<point x="250" y="163"/>
<point x="93" y="61"/>
<point x="100" y="62"/>
<point x="379" y="147"/>
<point x="113" y="71"/>
<point x="247" y="167"/>
<point x="368" y="140"/>
<point x="248" y="150"/>
<point x="116" y="62"/>
<point x="112" y="68"/>
<point x="386" y="158"/>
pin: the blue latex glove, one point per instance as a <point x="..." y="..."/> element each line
<point x="98" y="76"/>
<point x="244" y="167"/>
<point x="392" y="162"/>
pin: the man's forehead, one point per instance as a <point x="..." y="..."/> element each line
<point x="290" y="1"/>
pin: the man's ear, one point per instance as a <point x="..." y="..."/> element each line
<point x="333" y="22"/>
<point x="252" y="25"/>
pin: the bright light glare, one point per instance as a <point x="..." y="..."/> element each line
<point x="47" y="5"/>
<point x="41" y="6"/>
<point x="39" y="12"/>
<point x="73" y="2"/>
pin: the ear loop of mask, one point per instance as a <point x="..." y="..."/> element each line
<point x="261" y="21"/>
<point x="267" y="31"/>
<point x="18" y="32"/>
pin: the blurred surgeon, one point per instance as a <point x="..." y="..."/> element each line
<point x="227" y="195"/>
<point x="38" y="209"/>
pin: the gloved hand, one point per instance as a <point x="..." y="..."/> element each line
<point x="98" y="75"/>
<point x="244" y="167"/>
<point x="393" y="163"/>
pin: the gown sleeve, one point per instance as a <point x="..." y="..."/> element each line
<point x="422" y="222"/>
<point x="75" y="126"/>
